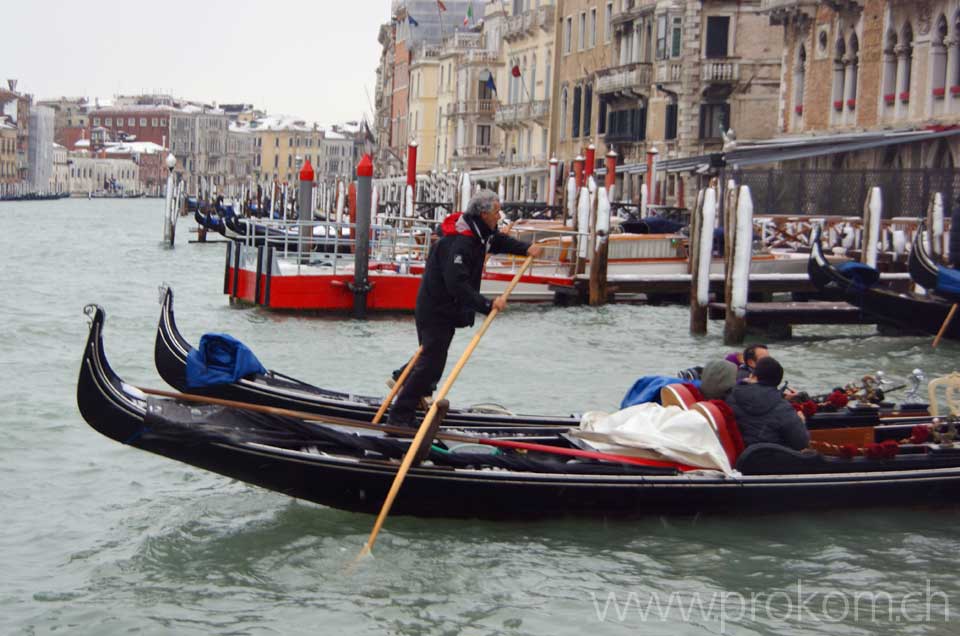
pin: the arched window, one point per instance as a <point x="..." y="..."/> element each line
<point x="575" y="121"/>
<point x="563" y="113"/>
<point x="890" y="69"/>
<point x="853" y="71"/>
<point x="587" y="109"/>
<point x="799" y="80"/>
<point x="905" y="62"/>
<point x="839" y="74"/>
<point x="938" y="50"/>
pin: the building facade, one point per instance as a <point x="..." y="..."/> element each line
<point x="8" y="158"/>
<point x="92" y="175"/>
<point x="870" y="66"/>
<point x="40" y="149"/>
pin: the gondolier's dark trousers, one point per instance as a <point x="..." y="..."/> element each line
<point x="435" y="339"/>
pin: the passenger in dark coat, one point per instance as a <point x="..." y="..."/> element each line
<point x="761" y="412"/>
<point x="449" y="295"/>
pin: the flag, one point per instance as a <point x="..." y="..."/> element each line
<point x="469" y="16"/>
<point x="515" y="71"/>
<point x="412" y="21"/>
<point x="441" y="6"/>
<point x="490" y="84"/>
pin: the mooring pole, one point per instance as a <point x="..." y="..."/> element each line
<point x="590" y="161"/>
<point x="872" y="212"/>
<point x="598" y="266"/>
<point x="552" y="183"/>
<point x="361" y="282"/>
<point x="735" y="325"/>
<point x="305" y="213"/>
<point x="610" y="180"/>
<point x="701" y="251"/>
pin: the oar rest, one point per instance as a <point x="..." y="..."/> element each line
<point x="856" y="435"/>
<point x="724" y="426"/>
<point x="677" y="395"/>
<point x="951" y="386"/>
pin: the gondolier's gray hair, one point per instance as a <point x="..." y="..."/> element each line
<point x="481" y="202"/>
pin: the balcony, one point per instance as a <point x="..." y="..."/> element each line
<point x="476" y="157"/>
<point x="479" y="107"/>
<point x="782" y="10"/>
<point x="479" y="57"/>
<point x="526" y="24"/>
<point x="669" y="71"/>
<point x="720" y="71"/>
<point x="523" y="114"/>
<point x="630" y="79"/>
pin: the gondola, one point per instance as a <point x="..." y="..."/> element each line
<point x="210" y="222"/>
<point x="277" y="389"/>
<point x="910" y="312"/>
<point x="341" y="466"/>
<point x="255" y="234"/>
<point x="925" y="271"/>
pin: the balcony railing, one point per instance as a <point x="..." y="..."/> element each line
<point x="483" y="107"/>
<point x="479" y="57"/>
<point x="719" y="71"/>
<point x="522" y="113"/>
<point x="631" y="77"/>
<point x="527" y="23"/>
<point x="476" y="152"/>
<point x="669" y="71"/>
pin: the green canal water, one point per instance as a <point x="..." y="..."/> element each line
<point x="98" y="538"/>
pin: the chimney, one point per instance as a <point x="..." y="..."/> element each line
<point x="12" y="83"/>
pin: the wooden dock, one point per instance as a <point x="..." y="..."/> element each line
<point x="778" y="318"/>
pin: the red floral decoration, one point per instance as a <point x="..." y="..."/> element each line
<point x="939" y="92"/>
<point x="920" y="434"/>
<point x="798" y="109"/>
<point x="838" y="105"/>
<point x="851" y="104"/>
<point x="797" y="406"/>
<point x="890" y="448"/>
<point x="838" y="399"/>
<point x="809" y="408"/>
<point x="849" y="451"/>
<point x="890" y="98"/>
<point x="905" y="96"/>
<point x="955" y="90"/>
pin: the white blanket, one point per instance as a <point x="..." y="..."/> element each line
<point x="656" y="432"/>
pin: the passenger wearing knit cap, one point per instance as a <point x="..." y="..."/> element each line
<point x="717" y="378"/>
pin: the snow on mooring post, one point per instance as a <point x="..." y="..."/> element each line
<point x="735" y="327"/>
<point x="341" y="202"/>
<point x="644" y="200"/>
<point x="872" y="212"/>
<point x="570" y="213"/>
<point x="466" y="191"/>
<point x="701" y="251"/>
<point x="598" y="265"/>
<point x="170" y="212"/>
<point x="364" y="208"/>
<point x="410" y="192"/>
<point x="729" y="224"/>
<point x="583" y="229"/>
<point x="651" y="179"/>
<point x="552" y="182"/>
<point x="578" y="170"/>
<point x="305" y="197"/>
<point x="935" y="226"/>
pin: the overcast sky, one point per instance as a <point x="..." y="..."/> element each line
<point x="308" y="58"/>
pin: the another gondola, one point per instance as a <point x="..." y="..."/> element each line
<point x="276" y="389"/>
<point x="913" y="313"/>
<point x="210" y="222"/>
<point x="351" y="469"/>
<point x="926" y="272"/>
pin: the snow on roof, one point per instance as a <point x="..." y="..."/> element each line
<point x="134" y="148"/>
<point x="282" y="122"/>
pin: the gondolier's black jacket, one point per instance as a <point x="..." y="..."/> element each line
<point x="450" y="288"/>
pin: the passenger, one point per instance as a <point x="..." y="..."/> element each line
<point x="751" y="355"/>
<point x="718" y="377"/>
<point x="761" y="412"/>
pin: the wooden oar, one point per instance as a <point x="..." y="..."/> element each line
<point x="946" y="323"/>
<point x="432" y="413"/>
<point x="397" y="430"/>
<point x="397" y="386"/>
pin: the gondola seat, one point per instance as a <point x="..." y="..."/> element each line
<point x="677" y="395"/>
<point x="724" y="425"/>
<point x="774" y="459"/>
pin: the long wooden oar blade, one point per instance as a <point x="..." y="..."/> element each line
<point x="432" y="413"/>
<point x="946" y="323"/>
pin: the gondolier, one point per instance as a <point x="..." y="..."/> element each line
<point x="449" y="295"/>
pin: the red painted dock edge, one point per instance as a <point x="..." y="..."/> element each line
<point x="390" y="292"/>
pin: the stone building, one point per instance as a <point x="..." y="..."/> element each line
<point x="8" y="157"/>
<point x="69" y="118"/>
<point x="525" y="85"/>
<point x="40" y="149"/>
<point x="585" y="51"/>
<point x="92" y="175"/>
<point x="422" y="110"/>
<point x="867" y="67"/>
<point x="60" y="176"/>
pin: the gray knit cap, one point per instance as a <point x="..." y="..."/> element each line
<point x="718" y="377"/>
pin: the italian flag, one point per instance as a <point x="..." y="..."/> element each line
<point x="469" y="16"/>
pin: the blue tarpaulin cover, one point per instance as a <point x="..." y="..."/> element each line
<point x="221" y="359"/>
<point x="948" y="281"/>
<point x="647" y="389"/>
<point x="862" y="275"/>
